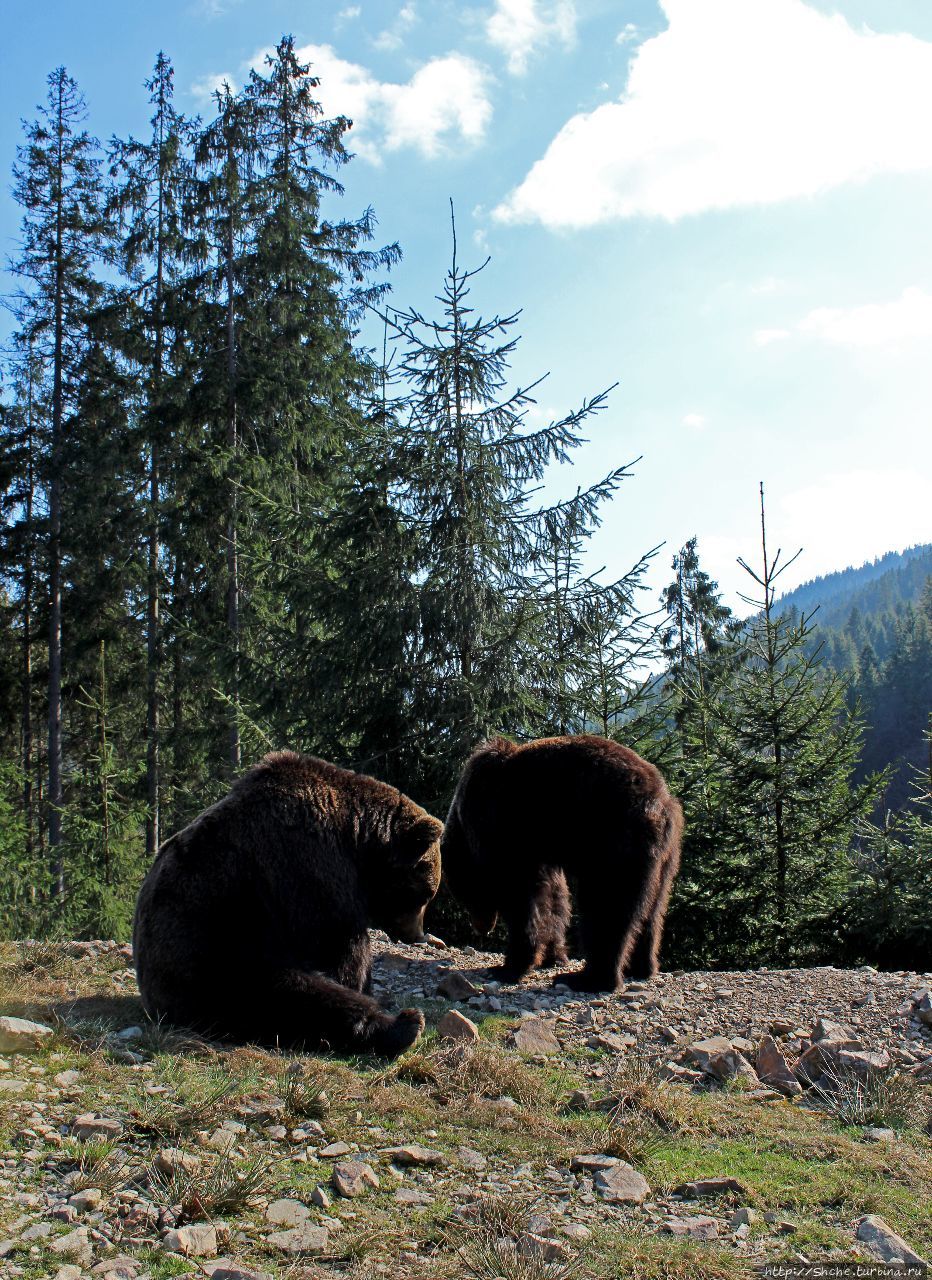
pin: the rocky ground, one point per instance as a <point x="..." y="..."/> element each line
<point x="699" y="1125"/>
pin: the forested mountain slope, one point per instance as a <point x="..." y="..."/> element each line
<point x="875" y="622"/>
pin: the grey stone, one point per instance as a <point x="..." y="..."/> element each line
<point x="456" y="986"/>
<point x="90" y="1125"/>
<point x="351" y="1178"/>
<point x="537" y="1035"/>
<point x="303" y="1239"/>
<point x="84" y="1201"/>
<point x="199" y="1240"/>
<point x="415" y="1155"/>
<point x="621" y="1184"/>
<point x="172" y="1160"/>
<point x="287" y="1213"/>
<point x="884" y="1243"/>
<point x="76" y="1244"/>
<point x="703" y="1187"/>
<point x="699" y="1228"/>
<point x="19" y="1035"/>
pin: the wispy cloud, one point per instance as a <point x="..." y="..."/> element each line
<point x="905" y="319"/>
<point x="519" y="28"/>
<point x="694" y="420"/>
<point x="393" y="36"/>
<point x="894" y="323"/>
<point x="737" y="103"/>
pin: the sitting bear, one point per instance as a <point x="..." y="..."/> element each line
<point x="252" y="922"/>
<point x="522" y="816"/>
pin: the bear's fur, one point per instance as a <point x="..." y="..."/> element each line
<point x="252" y="922"/>
<point x="524" y="816"/>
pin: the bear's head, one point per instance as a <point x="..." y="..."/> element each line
<point x="403" y="881"/>
<point x="469" y="837"/>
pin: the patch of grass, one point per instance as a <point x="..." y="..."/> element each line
<point x="493" y="1245"/>
<point x="96" y="1162"/>
<point x="194" y="1101"/>
<point x="636" y="1253"/>
<point x="229" y="1186"/>
<point x="479" y="1071"/>
<point x="885" y="1099"/>
<point x="302" y="1093"/>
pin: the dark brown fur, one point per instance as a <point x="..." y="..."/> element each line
<point x="523" y="817"/>
<point x="252" y="922"/>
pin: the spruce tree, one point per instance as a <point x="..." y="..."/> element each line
<point x="151" y="198"/>
<point x="465" y="467"/>
<point x="783" y="747"/>
<point x="64" y="230"/>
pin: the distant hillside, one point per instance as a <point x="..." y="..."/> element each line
<point x="883" y="585"/>
<point x="874" y="624"/>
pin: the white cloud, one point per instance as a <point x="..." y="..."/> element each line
<point x="897" y="323"/>
<point x="736" y="103"/>
<point x="766" y="337"/>
<point x="203" y="90"/>
<point x="875" y="324"/>
<point x="393" y="37"/>
<point x="520" y="27"/>
<point x="445" y="102"/>
<point x="350" y="13"/>
<point x="628" y="33"/>
<point x="695" y="420"/>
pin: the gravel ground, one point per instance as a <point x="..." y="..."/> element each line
<point x="674" y="1009"/>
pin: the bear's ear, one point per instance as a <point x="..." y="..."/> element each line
<point x="416" y="834"/>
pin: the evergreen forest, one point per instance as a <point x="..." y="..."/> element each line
<point x="231" y="521"/>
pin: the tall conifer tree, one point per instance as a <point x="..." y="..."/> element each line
<point x="58" y="184"/>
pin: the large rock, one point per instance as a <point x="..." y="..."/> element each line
<point x="287" y="1213"/>
<point x="884" y="1243"/>
<point x="536" y="1035"/>
<point x="456" y="1026"/>
<point x="863" y="1063"/>
<point x="456" y="986"/>
<point x="18" y="1035"/>
<point x="773" y="1068"/>
<point x="821" y="1059"/>
<point x="199" y="1240"/>
<point x="305" y="1239"/>
<point x="922" y="1009"/>
<point x="414" y="1154"/>
<point x="90" y="1125"/>
<point x="76" y="1244"/>
<point x="172" y="1160"/>
<point x="619" y="1183"/>
<point x="351" y="1178"/>
<point x="718" y="1057"/>
<point x="698" y="1228"/>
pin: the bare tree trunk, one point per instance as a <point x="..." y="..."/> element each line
<point x="26" y="679"/>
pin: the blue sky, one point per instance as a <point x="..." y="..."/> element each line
<point x="723" y="205"/>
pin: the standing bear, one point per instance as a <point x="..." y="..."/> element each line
<point x="524" y="816"/>
<point x="252" y="923"/>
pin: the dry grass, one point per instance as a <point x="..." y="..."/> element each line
<point x="481" y="1071"/>
<point x="885" y="1099"/>
<point x="96" y="1162"/>
<point x="195" y="1102"/>
<point x="227" y="1187"/>
<point x="493" y="1245"/>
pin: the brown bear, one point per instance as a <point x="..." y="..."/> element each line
<point x="252" y="923"/>
<point x="522" y="816"/>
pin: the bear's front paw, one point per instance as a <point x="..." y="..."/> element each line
<point x="506" y="973"/>
<point x="586" y="980"/>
